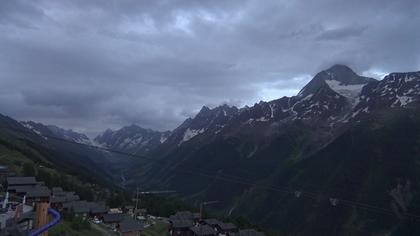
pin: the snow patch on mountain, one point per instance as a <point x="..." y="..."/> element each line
<point x="409" y="78"/>
<point x="163" y="139"/>
<point x="350" y="91"/>
<point x="28" y="126"/>
<point x="262" y="119"/>
<point x="191" y="133"/>
<point x="308" y="97"/>
<point x="82" y="140"/>
<point x="402" y="100"/>
<point x="272" y="109"/>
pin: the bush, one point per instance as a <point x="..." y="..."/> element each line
<point x="78" y="223"/>
<point x="28" y="169"/>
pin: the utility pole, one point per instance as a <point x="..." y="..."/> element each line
<point x="205" y="204"/>
<point x="6" y="200"/>
<point x="137" y="201"/>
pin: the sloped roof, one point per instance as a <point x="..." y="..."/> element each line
<point x="55" y="199"/>
<point x="57" y="189"/>
<point x="129" y="225"/>
<point x="85" y="206"/>
<point x="64" y="197"/>
<point x="202" y="230"/>
<point x="227" y="226"/>
<point x="98" y="209"/>
<point x="211" y="221"/>
<point x="21" y="188"/>
<point x="182" y="223"/>
<point x="38" y="192"/>
<point x="184" y="215"/>
<point x="113" y="218"/>
<point x="250" y="232"/>
<point x="21" y="181"/>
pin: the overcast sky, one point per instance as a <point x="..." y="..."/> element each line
<point x="92" y="65"/>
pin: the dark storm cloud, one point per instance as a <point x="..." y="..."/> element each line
<point x="342" y="33"/>
<point x="17" y="12"/>
<point x="91" y="65"/>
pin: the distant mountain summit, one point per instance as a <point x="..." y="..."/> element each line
<point x="339" y="78"/>
<point x="133" y="139"/>
<point x="207" y="120"/>
<point x="54" y="131"/>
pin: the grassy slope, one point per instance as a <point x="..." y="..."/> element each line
<point x="15" y="159"/>
<point x="362" y="165"/>
<point x="64" y="228"/>
<point x="159" y="229"/>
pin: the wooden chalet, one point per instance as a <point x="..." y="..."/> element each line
<point x="227" y="228"/>
<point x="186" y="215"/>
<point x="60" y="198"/>
<point x="181" y="227"/>
<point x="85" y="209"/>
<point x="13" y="182"/>
<point x="214" y="223"/>
<point x="203" y="230"/>
<point x="130" y="227"/>
<point x="38" y="194"/>
<point x="249" y="232"/>
<point x="113" y="219"/>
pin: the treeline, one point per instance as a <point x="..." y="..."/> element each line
<point x="36" y="163"/>
<point x="21" y="148"/>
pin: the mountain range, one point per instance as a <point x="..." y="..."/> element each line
<point x="342" y="157"/>
<point x="342" y="136"/>
<point x="331" y="101"/>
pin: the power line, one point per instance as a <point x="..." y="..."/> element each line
<point x="298" y="192"/>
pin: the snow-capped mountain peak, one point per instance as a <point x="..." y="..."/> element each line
<point x="46" y="131"/>
<point x="132" y="138"/>
<point x="395" y="90"/>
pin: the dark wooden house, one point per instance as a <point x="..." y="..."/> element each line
<point x="227" y="228"/>
<point x="203" y="230"/>
<point x="130" y="227"/>
<point x="250" y="232"/>
<point x="181" y="227"/>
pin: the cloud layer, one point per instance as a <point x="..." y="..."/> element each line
<point x="90" y="65"/>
